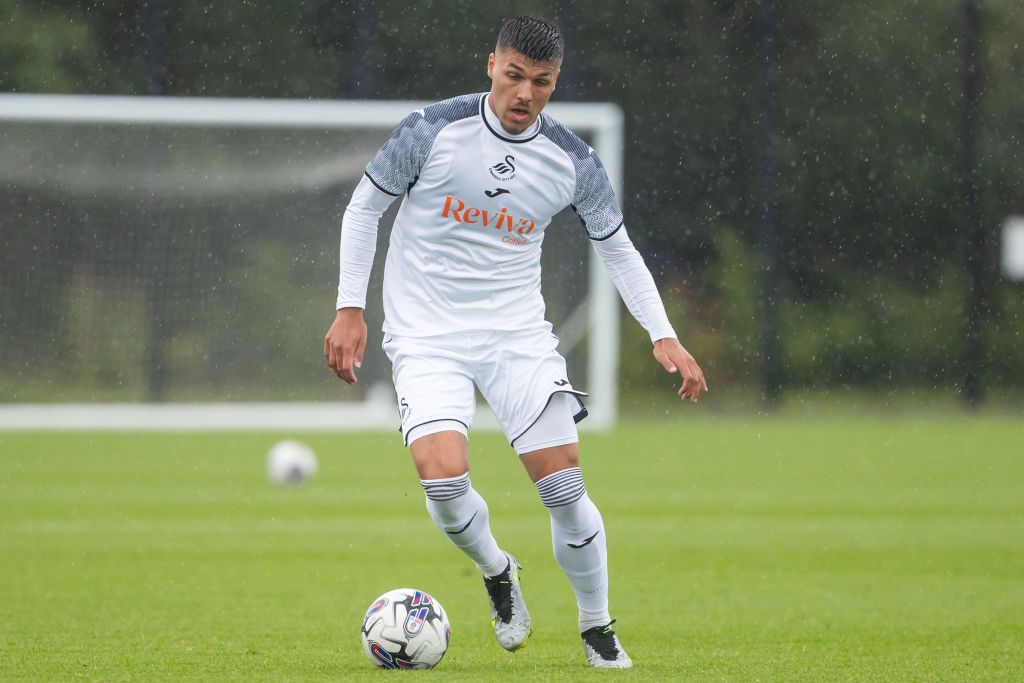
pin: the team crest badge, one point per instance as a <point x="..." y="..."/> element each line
<point x="504" y="170"/>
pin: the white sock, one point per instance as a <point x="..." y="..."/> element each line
<point x="577" y="536"/>
<point x="459" y="511"/>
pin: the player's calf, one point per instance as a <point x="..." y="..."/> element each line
<point x="577" y="538"/>
<point x="461" y="513"/>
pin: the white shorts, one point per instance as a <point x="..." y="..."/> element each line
<point x="516" y="372"/>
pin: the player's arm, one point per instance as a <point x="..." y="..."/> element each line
<point x="595" y="204"/>
<point x="636" y="286"/>
<point x="346" y="339"/>
<point x="389" y="174"/>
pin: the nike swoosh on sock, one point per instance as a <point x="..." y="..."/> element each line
<point x="453" y="533"/>
<point x="586" y="541"/>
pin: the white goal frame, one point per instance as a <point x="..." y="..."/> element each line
<point x="599" y="314"/>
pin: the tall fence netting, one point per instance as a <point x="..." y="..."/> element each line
<point x="155" y="262"/>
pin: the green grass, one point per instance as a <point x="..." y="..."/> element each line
<point x="741" y="549"/>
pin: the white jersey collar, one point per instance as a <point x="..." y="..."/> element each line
<point x="494" y="124"/>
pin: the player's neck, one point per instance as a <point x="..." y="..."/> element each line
<point x="497" y="125"/>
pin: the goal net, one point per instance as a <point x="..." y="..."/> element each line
<point x="173" y="263"/>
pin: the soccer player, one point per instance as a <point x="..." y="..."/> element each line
<point x="482" y="176"/>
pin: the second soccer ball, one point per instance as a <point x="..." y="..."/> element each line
<point x="290" y="462"/>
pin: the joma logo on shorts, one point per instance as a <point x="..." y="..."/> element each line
<point x="457" y="210"/>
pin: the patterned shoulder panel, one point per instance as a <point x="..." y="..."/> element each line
<point x="397" y="164"/>
<point x="594" y="201"/>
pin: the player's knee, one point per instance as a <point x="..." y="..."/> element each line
<point x="440" y="454"/>
<point x="544" y="462"/>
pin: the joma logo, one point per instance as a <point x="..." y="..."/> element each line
<point x="457" y="210"/>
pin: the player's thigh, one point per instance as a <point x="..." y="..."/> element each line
<point x="551" y="444"/>
<point x="519" y="377"/>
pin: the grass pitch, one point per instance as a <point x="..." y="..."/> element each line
<point x="768" y="549"/>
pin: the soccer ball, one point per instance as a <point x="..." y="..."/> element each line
<point x="405" y="629"/>
<point x="290" y="462"/>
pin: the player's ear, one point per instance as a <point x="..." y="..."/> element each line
<point x="490" y="65"/>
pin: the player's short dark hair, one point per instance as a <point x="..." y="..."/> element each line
<point x="537" y="39"/>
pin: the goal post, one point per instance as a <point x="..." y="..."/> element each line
<point x="85" y="174"/>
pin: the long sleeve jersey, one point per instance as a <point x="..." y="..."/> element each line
<point x="464" y="253"/>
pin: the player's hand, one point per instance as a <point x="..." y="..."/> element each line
<point x="345" y="342"/>
<point x="674" y="358"/>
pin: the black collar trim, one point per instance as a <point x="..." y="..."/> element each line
<point x="498" y="135"/>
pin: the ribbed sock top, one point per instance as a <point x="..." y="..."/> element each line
<point x="446" y="489"/>
<point x="561" y="488"/>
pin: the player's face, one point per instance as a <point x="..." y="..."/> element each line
<point x="520" y="88"/>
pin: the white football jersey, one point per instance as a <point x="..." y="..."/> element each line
<point x="466" y="244"/>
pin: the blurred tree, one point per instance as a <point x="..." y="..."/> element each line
<point x="47" y="48"/>
<point x="869" y="112"/>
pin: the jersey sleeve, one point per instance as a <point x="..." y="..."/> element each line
<point x="359" y="242"/>
<point x="396" y="166"/>
<point x="635" y="284"/>
<point x="594" y="201"/>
